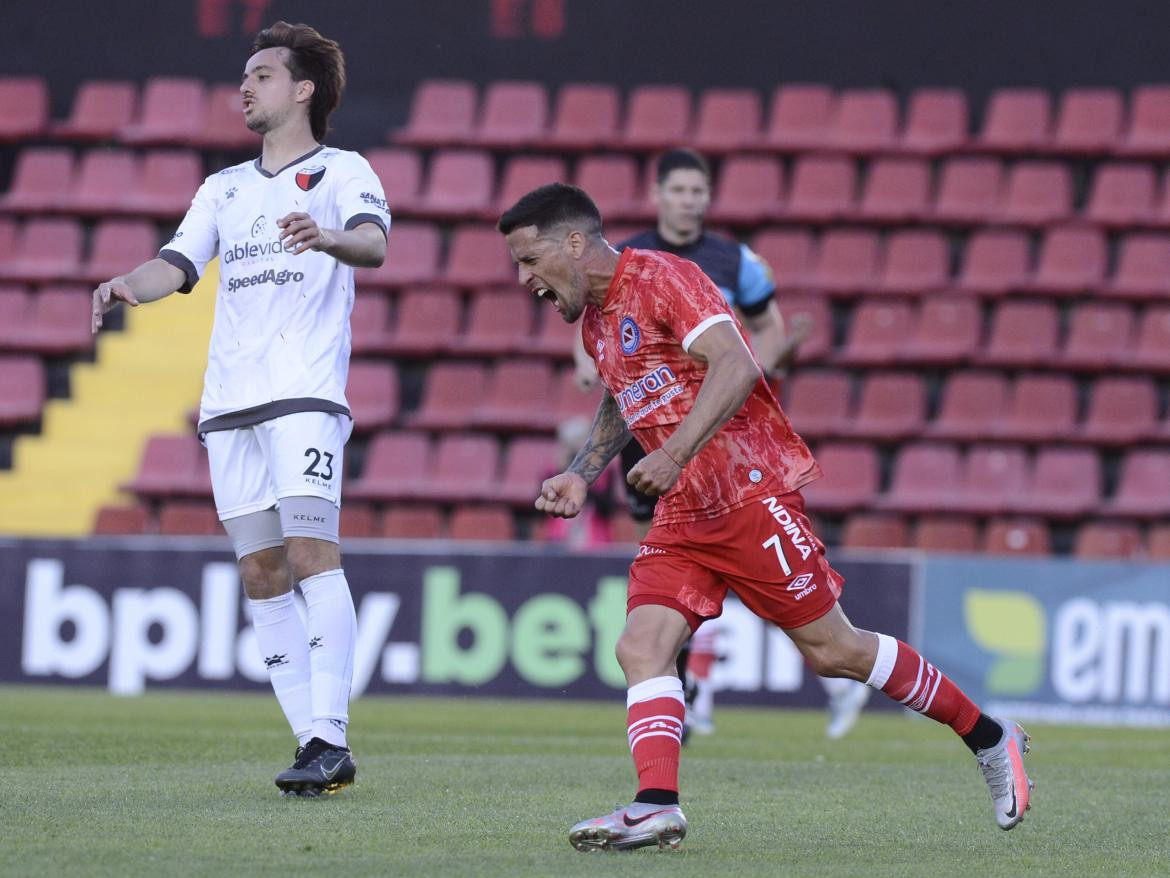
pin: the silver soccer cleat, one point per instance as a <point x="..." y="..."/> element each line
<point x="844" y="709"/>
<point x="632" y="826"/>
<point x="1003" y="769"/>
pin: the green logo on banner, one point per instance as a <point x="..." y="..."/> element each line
<point x="1011" y="625"/>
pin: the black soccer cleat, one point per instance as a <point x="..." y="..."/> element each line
<point x="319" y="768"/>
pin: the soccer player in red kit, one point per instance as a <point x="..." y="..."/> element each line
<point x="728" y="469"/>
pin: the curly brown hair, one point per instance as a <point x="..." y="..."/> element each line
<point x="312" y="57"/>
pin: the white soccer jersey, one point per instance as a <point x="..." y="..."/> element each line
<point x="280" y="342"/>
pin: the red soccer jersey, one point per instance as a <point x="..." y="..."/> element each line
<point x="656" y="306"/>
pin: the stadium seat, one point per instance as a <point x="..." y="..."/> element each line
<point x="749" y="190"/>
<point x="514" y="115"/>
<point x="24" y="108"/>
<point x="189" y="518"/>
<point x="1017" y="536"/>
<point x="1036" y="194"/>
<point x="396" y="465"/>
<point x="1147" y="135"/>
<point x="789" y="254"/>
<point x="822" y="189"/>
<point x="169" y="467"/>
<point x="41" y="181"/>
<point x="23" y="387"/>
<point x="528" y="461"/>
<point x="117" y="246"/>
<point x="846" y="262"/>
<point x="442" y="113"/>
<point x="478" y="257"/>
<point x="657" y="117"/>
<point x="869" y="530"/>
<point x="877" y="333"/>
<point x="101" y="108"/>
<point x="892" y="407"/>
<point x="992" y="480"/>
<point x="463" y="468"/>
<point x="1143" y="488"/>
<point x="969" y="191"/>
<point x="819" y="342"/>
<point x="897" y="190"/>
<point x="400" y="172"/>
<point x="1143" y="268"/>
<point x="166" y="184"/>
<point x="818" y="402"/>
<point x="1041" y="407"/>
<point x="1121" y="195"/>
<point x="612" y="182"/>
<point x="945" y="333"/>
<point x="865" y="122"/>
<point x="412" y="257"/>
<point x="914" y="262"/>
<point x="174" y="110"/>
<point x="1100" y="336"/>
<point x="224" y="126"/>
<point x="372" y="393"/>
<point x="428" y="318"/>
<point x="481" y="523"/>
<point x="1158" y="542"/>
<point x="1121" y="411"/>
<point x="424" y="522"/>
<point x="945" y="534"/>
<point x="15" y="305"/>
<point x="850" y="481"/>
<point x="516" y="397"/>
<point x="799" y="117"/>
<point x="1016" y="120"/>
<point x="459" y="185"/>
<point x="500" y="322"/>
<point x="357" y="521"/>
<point x="45" y="250"/>
<point x="554" y="337"/>
<point x="450" y="393"/>
<point x="585" y="118"/>
<point x="1065" y="483"/>
<point x="1108" y="539"/>
<point x="936" y="122"/>
<point x="1072" y="261"/>
<point x="972" y="404"/>
<point x="105" y="179"/>
<point x="1088" y="121"/>
<point x="1022" y="334"/>
<point x="727" y="120"/>
<point x="1151" y="351"/>
<point x="925" y="479"/>
<point x="121" y="520"/>
<point x="370" y="323"/>
<point x="569" y="401"/>
<point x="521" y="175"/>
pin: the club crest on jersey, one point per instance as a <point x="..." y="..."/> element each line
<point x="631" y="336"/>
<point x="309" y="177"/>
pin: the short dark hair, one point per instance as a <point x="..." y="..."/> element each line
<point x="552" y="205"/>
<point x="313" y="57"/>
<point x="680" y="159"/>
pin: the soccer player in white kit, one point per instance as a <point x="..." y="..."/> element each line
<point x="288" y="228"/>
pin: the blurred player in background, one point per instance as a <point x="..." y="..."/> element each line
<point x="682" y="194"/>
<point x="288" y="227"/>
<point x="728" y="468"/>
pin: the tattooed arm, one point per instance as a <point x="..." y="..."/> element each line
<point x="563" y="495"/>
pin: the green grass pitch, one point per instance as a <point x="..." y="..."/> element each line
<point x="180" y="783"/>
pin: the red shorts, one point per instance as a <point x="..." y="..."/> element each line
<point x="765" y="552"/>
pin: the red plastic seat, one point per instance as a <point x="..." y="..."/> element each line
<point x="1036" y="194"/>
<point x="969" y="191"/>
<point x="1041" y="408"/>
<point x="818" y="402"/>
<point x="799" y="117"/>
<point x="528" y="461"/>
<point x="46" y="250"/>
<point x="412" y="257"/>
<point x="1072" y="260"/>
<point x="1158" y="542"/>
<point x="1143" y="268"/>
<point x="1100" y="337"/>
<point x="865" y="122"/>
<point x="1151" y="351"/>
<point x="1088" y="121"/>
<point x="224" y="126"/>
<point x="166" y="184"/>
<point x="972" y="404"/>
<point x="1143" y="489"/>
<point x="1121" y="195"/>
<point x="995" y="262"/>
<point x="585" y="117"/>
<point x="514" y="115"/>
<point x="936" y="122"/>
<point x="916" y="261"/>
<point x="516" y="397"/>
<point x="428" y="318"/>
<point x="396" y="466"/>
<point x="846" y="262"/>
<point x="728" y="119"/>
<point x="815" y="310"/>
<point x="554" y="337"/>
<point x="492" y="523"/>
<point x="1017" y="536"/>
<point x="500" y="322"/>
<point x="1122" y="411"/>
<point x="897" y="190"/>
<point x="1065" y="483"/>
<point x="24" y="108"/>
<point x="1016" y="120"/>
<point x="400" y="172"/>
<point x="521" y="175"/>
<point x="370" y="323"/>
<point x="118" y="246"/>
<point x="1148" y="131"/>
<point x="788" y="253"/>
<point x="749" y="190"/>
<point x="569" y="401"/>
<point x="357" y="521"/>
<point x="121" y="520"/>
<point x="15" y="305"/>
<point x="189" y="518"/>
<point x="612" y="182"/>
<point x="1108" y="539"/>
<point x="442" y="113"/>
<point x="463" y="467"/>
<point x="850" y="481"/>
<point x="23" y="386"/>
<point x="1022" y="334"/>
<point x="657" y="117"/>
<point x="101" y="108"/>
<point x="169" y="468"/>
<point x="875" y="531"/>
<point x="477" y="257"/>
<point x="105" y="179"/>
<point x="41" y="181"/>
<point x="450" y="394"/>
<point x="372" y="393"/>
<point x="945" y="534"/>
<point x="822" y="189"/>
<point x="876" y="333"/>
<point x="992" y="481"/>
<point x="945" y="333"/>
<point x="925" y="478"/>
<point x="412" y="523"/>
<point x="892" y="407"/>
<point x="458" y="185"/>
<point x="174" y="110"/>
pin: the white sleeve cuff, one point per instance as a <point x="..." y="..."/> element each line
<point x="701" y="328"/>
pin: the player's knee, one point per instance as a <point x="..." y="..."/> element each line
<point x="308" y="557"/>
<point x="840" y="658"/>
<point x="265" y="574"/>
<point x="640" y="656"/>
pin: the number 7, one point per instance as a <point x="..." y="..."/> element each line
<point x="774" y="542"/>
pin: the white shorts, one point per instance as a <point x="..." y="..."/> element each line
<point x="297" y="455"/>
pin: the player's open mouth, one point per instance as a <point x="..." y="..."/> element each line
<point x="547" y="294"/>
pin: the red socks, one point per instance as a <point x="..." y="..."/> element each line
<point x="655" y="723"/>
<point x="909" y="679"/>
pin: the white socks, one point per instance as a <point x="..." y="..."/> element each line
<point x="332" y="634"/>
<point x="284" y="646"/>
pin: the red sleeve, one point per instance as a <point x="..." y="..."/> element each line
<point x="687" y="300"/>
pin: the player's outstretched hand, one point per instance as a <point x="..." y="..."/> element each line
<point x="105" y="297"/>
<point x="654" y="474"/>
<point x="299" y="232"/>
<point x="562" y="496"/>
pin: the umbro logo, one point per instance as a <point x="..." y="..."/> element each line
<point x="315" y="642"/>
<point x="275" y="661"/>
<point x="800" y="582"/>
